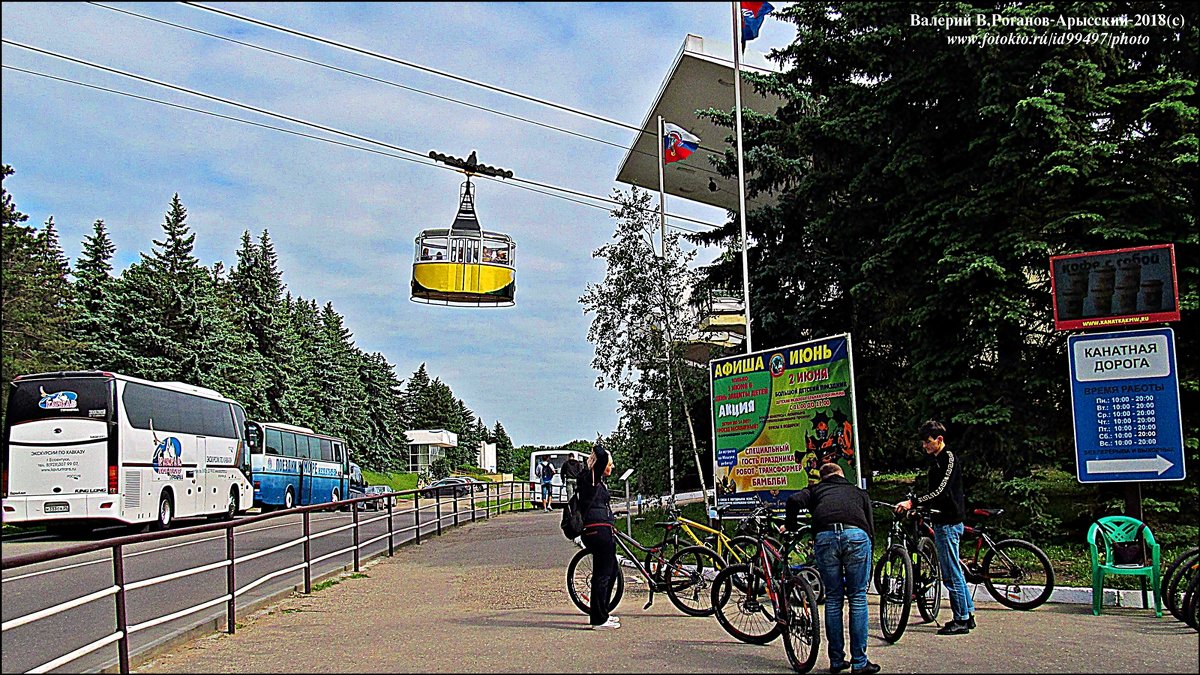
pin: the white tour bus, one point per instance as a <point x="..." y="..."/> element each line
<point x="558" y="490"/>
<point x="82" y="449"/>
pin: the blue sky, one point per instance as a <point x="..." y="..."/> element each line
<point x="343" y="220"/>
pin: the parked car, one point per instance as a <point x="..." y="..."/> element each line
<point x="451" y="486"/>
<point x="378" y="504"/>
<point x="478" y="485"/>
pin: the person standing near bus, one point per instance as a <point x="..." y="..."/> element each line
<point x="594" y="503"/>
<point x="570" y="474"/>
<point x="946" y="495"/>
<point x="545" y="471"/>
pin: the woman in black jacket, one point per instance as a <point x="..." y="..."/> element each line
<point x="598" y="535"/>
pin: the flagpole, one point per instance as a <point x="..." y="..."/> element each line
<point x="662" y="237"/>
<point x="737" y="104"/>
<point x="662" y="195"/>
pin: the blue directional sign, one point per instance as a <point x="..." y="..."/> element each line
<point x="1125" y="399"/>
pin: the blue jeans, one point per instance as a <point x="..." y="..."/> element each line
<point x="946" y="539"/>
<point x="546" y="495"/>
<point x="844" y="560"/>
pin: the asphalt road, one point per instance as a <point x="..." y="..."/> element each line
<point x="31" y="588"/>
<point x="490" y="598"/>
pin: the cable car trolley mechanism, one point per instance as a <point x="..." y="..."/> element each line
<point x="465" y="265"/>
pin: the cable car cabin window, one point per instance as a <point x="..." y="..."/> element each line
<point x="274" y="442"/>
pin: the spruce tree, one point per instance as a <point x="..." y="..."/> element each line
<point x="98" y="295"/>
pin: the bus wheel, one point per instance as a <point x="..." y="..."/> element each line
<point x="166" y="511"/>
<point x="232" y="508"/>
<point x="289" y="499"/>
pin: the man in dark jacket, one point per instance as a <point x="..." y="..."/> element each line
<point x="844" y="528"/>
<point x="946" y="496"/>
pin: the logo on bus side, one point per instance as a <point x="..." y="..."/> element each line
<point x="168" y="457"/>
<point x="59" y="400"/>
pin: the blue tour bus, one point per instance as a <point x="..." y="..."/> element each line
<point x="295" y="466"/>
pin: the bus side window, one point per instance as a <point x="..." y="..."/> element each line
<point x="314" y="448"/>
<point x="274" y="442"/>
<point x="289" y="444"/>
<point x="326" y="450"/>
<point x="337" y="453"/>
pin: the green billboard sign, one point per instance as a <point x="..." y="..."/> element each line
<point x="778" y="415"/>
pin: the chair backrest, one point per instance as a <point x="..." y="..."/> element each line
<point x="1116" y="530"/>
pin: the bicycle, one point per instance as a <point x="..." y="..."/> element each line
<point x="684" y="577"/>
<point x="737" y="549"/>
<point x="789" y="608"/>
<point x="1175" y="581"/>
<point x="907" y="570"/>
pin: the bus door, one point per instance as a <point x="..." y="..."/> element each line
<point x="343" y="462"/>
<point x="311" y="493"/>
<point x="193" y="481"/>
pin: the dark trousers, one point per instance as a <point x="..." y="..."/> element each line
<point x="600" y="541"/>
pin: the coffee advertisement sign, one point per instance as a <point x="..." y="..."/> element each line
<point x="1122" y="287"/>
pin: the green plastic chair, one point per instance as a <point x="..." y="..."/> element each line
<point x="1123" y="529"/>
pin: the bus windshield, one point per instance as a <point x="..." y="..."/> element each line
<point x="76" y="398"/>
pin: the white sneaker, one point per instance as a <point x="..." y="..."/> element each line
<point x="614" y="618"/>
<point x="608" y="625"/>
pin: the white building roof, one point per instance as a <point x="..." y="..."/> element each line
<point x="701" y="77"/>
<point x="436" y="437"/>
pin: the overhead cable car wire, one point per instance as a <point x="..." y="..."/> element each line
<point x="416" y="90"/>
<point x="428" y="69"/>
<point x="532" y="185"/>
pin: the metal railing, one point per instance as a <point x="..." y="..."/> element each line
<point x="498" y="497"/>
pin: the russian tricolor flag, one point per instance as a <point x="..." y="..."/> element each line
<point x="677" y="143"/>
<point x="753" y="14"/>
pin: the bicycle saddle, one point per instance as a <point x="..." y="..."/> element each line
<point x="987" y="513"/>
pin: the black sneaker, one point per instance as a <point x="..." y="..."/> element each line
<point x="870" y="669"/>
<point x="838" y="669"/>
<point x="971" y="621"/>
<point x="955" y="628"/>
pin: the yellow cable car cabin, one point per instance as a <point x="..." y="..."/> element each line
<point x="464" y="266"/>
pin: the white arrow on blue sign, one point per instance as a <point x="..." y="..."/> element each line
<point x="1125" y="402"/>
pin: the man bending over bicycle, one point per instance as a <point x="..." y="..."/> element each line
<point x="844" y="528"/>
<point x="946" y="495"/>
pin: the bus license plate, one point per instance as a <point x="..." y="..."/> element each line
<point x="57" y="507"/>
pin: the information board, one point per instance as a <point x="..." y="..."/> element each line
<point x="1125" y="401"/>
<point x="778" y="415"/>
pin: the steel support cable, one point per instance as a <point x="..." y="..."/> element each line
<point x="428" y="69"/>
<point x="262" y="111"/>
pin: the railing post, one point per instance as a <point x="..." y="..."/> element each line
<point x="307" y="556"/>
<point x="354" y="510"/>
<point x="122" y="619"/>
<point x="230" y="585"/>
<point x="438" y="510"/>
<point x="472" y="503"/>
<point x="391" y="530"/>
<point x="456" y="500"/>
<point x="417" y="513"/>
<point x="511" y="493"/>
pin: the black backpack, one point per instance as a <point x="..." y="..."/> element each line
<point x="572" y="516"/>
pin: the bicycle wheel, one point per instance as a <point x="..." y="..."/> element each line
<point x="742" y="606"/>
<point x="579" y="583"/>
<point x="927" y="580"/>
<point x="1191" y="603"/>
<point x="1018" y="574"/>
<point x="689" y="577"/>
<point x="1175" y="581"/>
<point x="802" y="639"/>
<point x="895" y="592"/>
